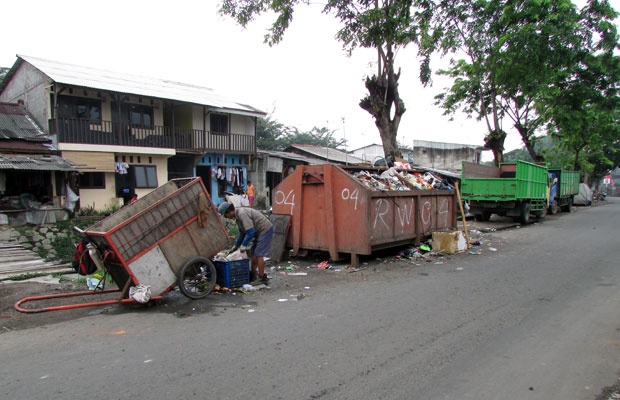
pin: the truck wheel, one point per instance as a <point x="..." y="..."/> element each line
<point x="525" y="213"/>
<point x="197" y="278"/>
<point x="553" y="208"/>
<point x="569" y="205"/>
<point x="541" y="214"/>
<point x="484" y="217"/>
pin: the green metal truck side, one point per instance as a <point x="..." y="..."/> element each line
<point x="562" y="192"/>
<point x="512" y="189"/>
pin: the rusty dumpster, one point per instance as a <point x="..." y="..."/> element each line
<point x="333" y="211"/>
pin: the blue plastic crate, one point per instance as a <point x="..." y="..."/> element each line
<point x="232" y="274"/>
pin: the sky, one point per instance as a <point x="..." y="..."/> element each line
<point x="307" y="80"/>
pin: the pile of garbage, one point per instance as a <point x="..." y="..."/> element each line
<point x="392" y="179"/>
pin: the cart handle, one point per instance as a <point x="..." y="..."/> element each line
<point x="71" y="306"/>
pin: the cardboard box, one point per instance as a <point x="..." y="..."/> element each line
<point x="449" y="242"/>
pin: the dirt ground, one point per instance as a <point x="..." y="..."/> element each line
<point x="294" y="278"/>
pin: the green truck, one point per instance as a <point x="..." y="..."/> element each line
<point x="512" y="189"/>
<point x="563" y="186"/>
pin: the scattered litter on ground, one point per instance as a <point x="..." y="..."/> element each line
<point x="253" y="288"/>
<point x="323" y="265"/>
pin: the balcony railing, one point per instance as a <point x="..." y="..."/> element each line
<point x="73" y="130"/>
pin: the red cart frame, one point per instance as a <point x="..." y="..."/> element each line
<point x="148" y="242"/>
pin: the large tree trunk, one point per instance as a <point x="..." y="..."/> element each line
<point x="528" y="141"/>
<point x="379" y="102"/>
<point x="495" y="141"/>
<point x="383" y="101"/>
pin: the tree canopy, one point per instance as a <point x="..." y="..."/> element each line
<point x="383" y="25"/>
<point x="523" y="62"/>
<point x="273" y="135"/>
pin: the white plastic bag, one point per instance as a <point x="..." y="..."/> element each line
<point x="140" y="293"/>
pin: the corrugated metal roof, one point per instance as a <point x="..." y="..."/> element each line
<point x="34" y="162"/>
<point x="328" y="153"/>
<point x="293" y="156"/>
<point x="16" y="123"/>
<point x="138" y="85"/>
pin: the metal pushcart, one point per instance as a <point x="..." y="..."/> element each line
<point x="166" y="238"/>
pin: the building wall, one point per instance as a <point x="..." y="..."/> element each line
<point x="242" y="125"/>
<point x="32" y="87"/>
<point x="101" y="199"/>
<point x="369" y="153"/>
<point x="442" y="158"/>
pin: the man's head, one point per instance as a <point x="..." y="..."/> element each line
<point x="226" y="209"/>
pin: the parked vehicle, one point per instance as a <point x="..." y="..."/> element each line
<point x="563" y="186"/>
<point x="512" y="189"/>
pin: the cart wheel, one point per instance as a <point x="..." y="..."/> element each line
<point x="197" y="278"/>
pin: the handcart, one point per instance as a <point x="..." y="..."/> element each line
<point x="166" y="238"/>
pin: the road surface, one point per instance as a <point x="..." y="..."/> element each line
<point x="535" y="316"/>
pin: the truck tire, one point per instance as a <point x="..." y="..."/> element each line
<point x="483" y="217"/>
<point x="541" y="214"/>
<point x="569" y="205"/>
<point x="553" y="208"/>
<point x="525" y="213"/>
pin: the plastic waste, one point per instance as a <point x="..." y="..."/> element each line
<point x="140" y="293"/>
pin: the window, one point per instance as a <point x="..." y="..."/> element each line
<point x="219" y="124"/>
<point x="145" y="176"/>
<point x="79" y="107"/>
<point x="92" y="180"/>
<point x="141" y="116"/>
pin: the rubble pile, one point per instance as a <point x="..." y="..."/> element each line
<point x="392" y="179"/>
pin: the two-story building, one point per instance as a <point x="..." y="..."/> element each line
<point x="129" y="134"/>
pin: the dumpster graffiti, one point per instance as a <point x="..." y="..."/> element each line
<point x="327" y="205"/>
<point x="442" y="210"/>
<point x="347" y="194"/>
<point x="382" y="207"/>
<point x="404" y="214"/>
<point x="285" y="199"/>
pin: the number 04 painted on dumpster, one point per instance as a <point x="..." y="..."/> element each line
<point x="287" y="199"/>
<point x="350" y="195"/>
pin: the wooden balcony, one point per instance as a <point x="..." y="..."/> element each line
<point x="69" y="130"/>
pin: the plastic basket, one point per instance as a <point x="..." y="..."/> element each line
<point x="232" y="274"/>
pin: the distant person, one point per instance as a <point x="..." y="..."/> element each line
<point x="249" y="191"/>
<point x="252" y="224"/>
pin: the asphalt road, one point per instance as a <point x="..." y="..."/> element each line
<point x="535" y="316"/>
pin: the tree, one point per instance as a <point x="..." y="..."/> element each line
<point x="270" y="134"/>
<point x="520" y="56"/>
<point x="273" y="135"/>
<point x="472" y="29"/>
<point x="384" y="25"/>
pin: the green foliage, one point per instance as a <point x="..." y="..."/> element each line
<point x="65" y="244"/>
<point x="521" y="57"/>
<point x="273" y="135"/>
<point x="386" y="26"/>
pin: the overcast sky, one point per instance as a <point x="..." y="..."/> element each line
<point x="305" y="81"/>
